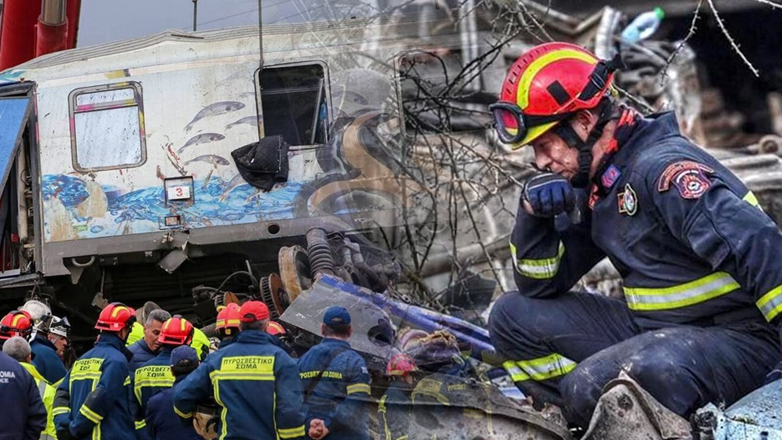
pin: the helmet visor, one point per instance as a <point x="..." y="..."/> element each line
<point x="508" y="122"/>
<point x="514" y="127"/>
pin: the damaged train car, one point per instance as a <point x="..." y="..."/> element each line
<point x="334" y="162"/>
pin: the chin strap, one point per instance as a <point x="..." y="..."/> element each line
<point x="566" y="132"/>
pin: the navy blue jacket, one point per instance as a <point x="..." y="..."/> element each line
<point x="141" y="354"/>
<point x="96" y="395"/>
<point x="46" y="360"/>
<point x="340" y="397"/>
<point x="149" y="379"/>
<point x="394" y="411"/>
<point x="162" y="421"/>
<point x="257" y="385"/>
<point x="24" y="416"/>
<point x="689" y="239"/>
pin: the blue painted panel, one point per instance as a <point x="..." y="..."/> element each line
<point x="13" y="116"/>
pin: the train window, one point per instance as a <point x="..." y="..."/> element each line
<point x="107" y="127"/>
<point x="294" y="103"/>
<point x="435" y="94"/>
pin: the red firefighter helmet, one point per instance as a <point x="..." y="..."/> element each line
<point x="400" y="365"/>
<point x="228" y="318"/>
<point x="275" y="328"/>
<point x="545" y="86"/>
<point x="16" y="323"/>
<point x="176" y="331"/>
<point x="115" y="317"/>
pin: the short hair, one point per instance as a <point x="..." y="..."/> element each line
<point x="18" y="348"/>
<point x="255" y="325"/>
<point x="158" y="315"/>
<point x="340" y="330"/>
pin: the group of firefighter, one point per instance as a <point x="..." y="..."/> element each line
<point x="698" y="324"/>
<point x="166" y="380"/>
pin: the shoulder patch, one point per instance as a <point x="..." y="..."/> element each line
<point x="690" y="179"/>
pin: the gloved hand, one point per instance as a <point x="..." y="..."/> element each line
<point x="548" y="194"/>
<point x="65" y="434"/>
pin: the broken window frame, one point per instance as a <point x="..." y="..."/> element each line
<point x="75" y="109"/>
<point x="324" y="96"/>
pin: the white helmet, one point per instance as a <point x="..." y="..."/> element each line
<point x="40" y="312"/>
<point x="60" y="327"/>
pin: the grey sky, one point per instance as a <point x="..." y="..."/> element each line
<point x="111" y="20"/>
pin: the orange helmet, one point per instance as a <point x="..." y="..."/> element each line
<point x="275" y="328"/>
<point x="545" y="86"/>
<point x="16" y="323"/>
<point x="228" y="318"/>
<point x="400" y="365"/>
<point x="176" y="331"/>
<point x="115" y="317"/>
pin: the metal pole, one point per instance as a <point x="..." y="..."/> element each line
<point x="260" y="29"/>
<point x="261" y="128"/>
<point x="195" y="15"/>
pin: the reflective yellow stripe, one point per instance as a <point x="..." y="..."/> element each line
<point x="181" y="414"/>
<point x="127" y="382"/>
<point x="90" y="414"/>
<point x="548" y="367"/>
<point x="539" y="269"/>
<point x="687" y="294"/>
<point x="771" y="303"/>
<point x="359" y="388"/>
<point x="141" y="424"/>
<point x="516" y="373"/>
<point x="85" y="376"/>
<point x="218" y="375"/>
<point x="291" y="432"/>
<point x="60" y="410"/>
<point x="522" y="94"/>
<point x="752" y="200"/>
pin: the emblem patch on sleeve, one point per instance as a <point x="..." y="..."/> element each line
<point x="628" y="201"/>
<point x="690" y="179"/>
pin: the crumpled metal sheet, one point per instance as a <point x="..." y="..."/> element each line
<point x="626" y="411"/>
<point x="459" y="408"/>
<point x="373" y="333"/>
<point x="376" y="318"/>
<point x="756" y="416"/>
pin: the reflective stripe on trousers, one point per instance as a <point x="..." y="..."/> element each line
<point x="544" y="368"/>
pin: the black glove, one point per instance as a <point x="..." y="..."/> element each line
<point x="549" y="194"/>
<point x="65" y="434"/>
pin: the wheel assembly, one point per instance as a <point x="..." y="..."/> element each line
<point x="274" y="295"/>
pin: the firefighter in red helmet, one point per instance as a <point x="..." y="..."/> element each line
<point x="698" y="258"/>
<point x="227" y="324"/>
<point x="395" y="409"/>
<point x="93" y="400"/>
<point x="16" y="323"/>
<point x="155" y="375"/>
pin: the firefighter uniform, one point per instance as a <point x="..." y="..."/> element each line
<point x="341" y="394"/>
<point x="47" y="393"/>
<point x="255" y="383"/>
<point x="94" y="399"/>
<point x="394" y="411"/>
<point x="46" y="360"/>
<point x="702" y="284"/>
<point x="24" y="416"/>
<point x="148" y="380"/>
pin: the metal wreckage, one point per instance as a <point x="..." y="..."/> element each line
<point x="377" y="186"/>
